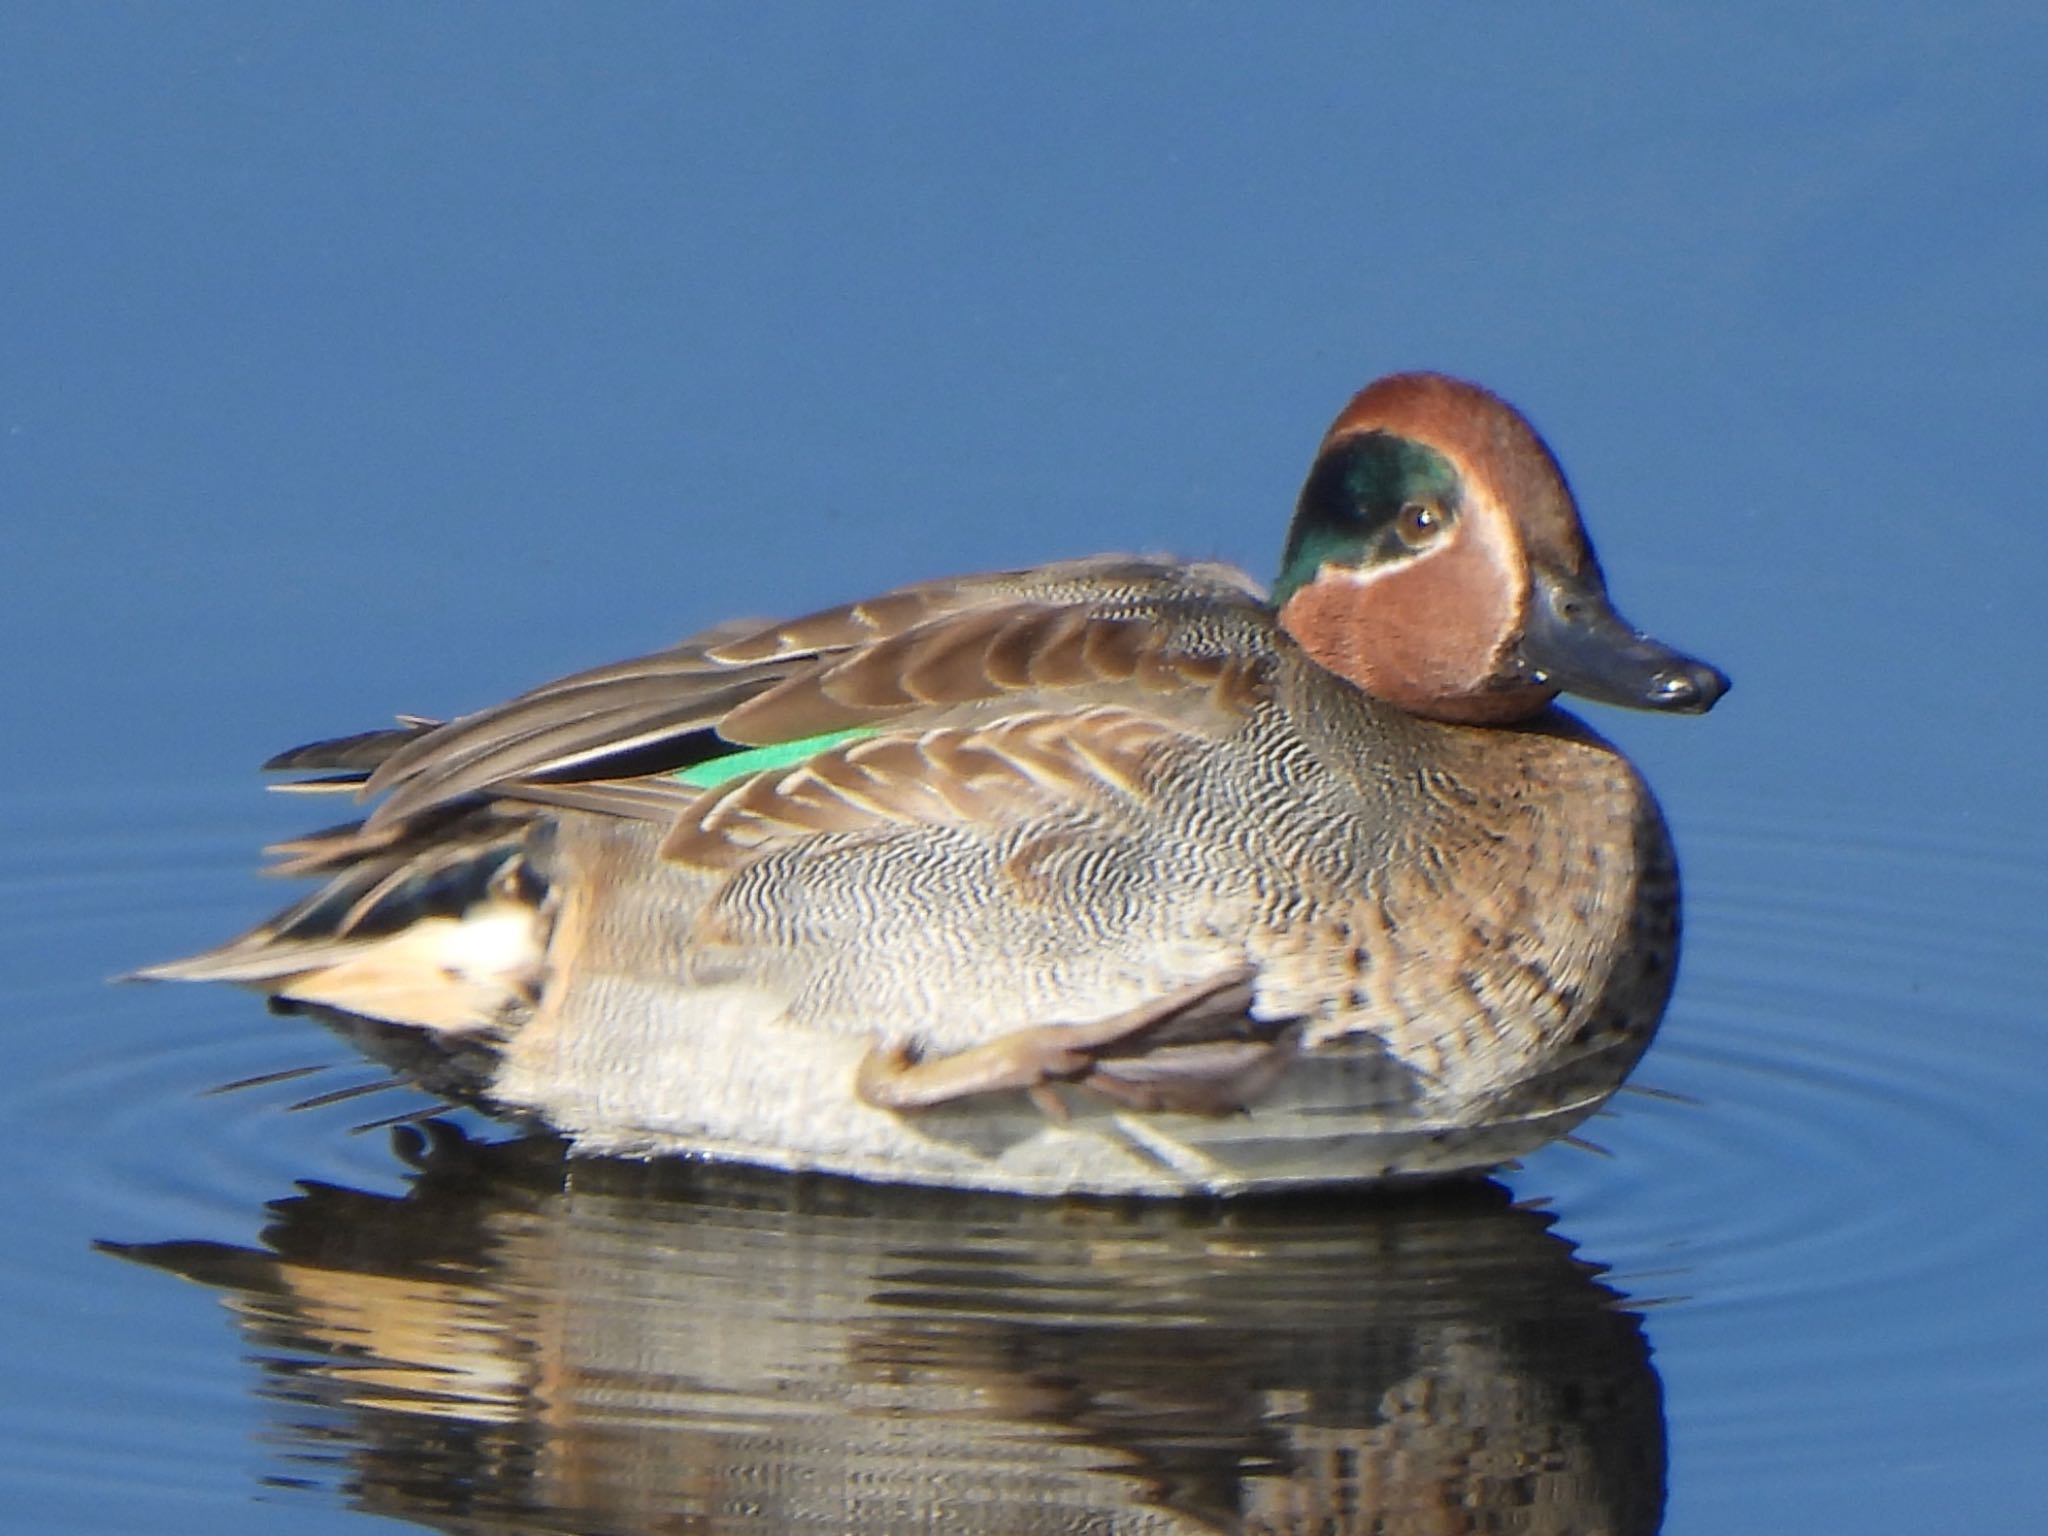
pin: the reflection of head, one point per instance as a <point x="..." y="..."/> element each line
<point x="662" y="1347"/>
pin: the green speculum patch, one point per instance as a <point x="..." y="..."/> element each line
<point x="1348" y="507"/>
<point x="715" y="771"/>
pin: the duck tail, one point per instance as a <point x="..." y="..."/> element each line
<point x="440" y="922"/>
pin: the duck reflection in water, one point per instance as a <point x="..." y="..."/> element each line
<point x="521" y="1342"/>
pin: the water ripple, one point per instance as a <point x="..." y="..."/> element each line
<point x="1849" y="1147"/>
<point x="1827" y="1179"/>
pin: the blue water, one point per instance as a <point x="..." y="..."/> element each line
<point x="356" y="362"/>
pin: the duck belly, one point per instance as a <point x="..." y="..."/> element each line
<point x="662" y="1032"/>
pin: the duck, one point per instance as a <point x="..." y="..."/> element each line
<point x="1120" y="875"/>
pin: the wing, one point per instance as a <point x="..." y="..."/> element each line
<point x="1187" y="645"/>
<point x="1050" y="698"/>
<point x="1017" y="767"/>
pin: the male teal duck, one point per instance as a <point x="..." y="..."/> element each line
<point x="1112" y="875"/>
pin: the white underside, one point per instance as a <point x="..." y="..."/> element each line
<point x="733" y="1081"/>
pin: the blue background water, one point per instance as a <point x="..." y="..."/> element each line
<point x="356" y="360"/>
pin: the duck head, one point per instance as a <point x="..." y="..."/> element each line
<point x="1437" y="561"/>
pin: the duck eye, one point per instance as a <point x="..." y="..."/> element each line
<point x="1419" y="523"/>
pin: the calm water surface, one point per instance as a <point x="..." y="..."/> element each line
<point x="362" y="358"/>
<point x="1795" y="1286"/>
